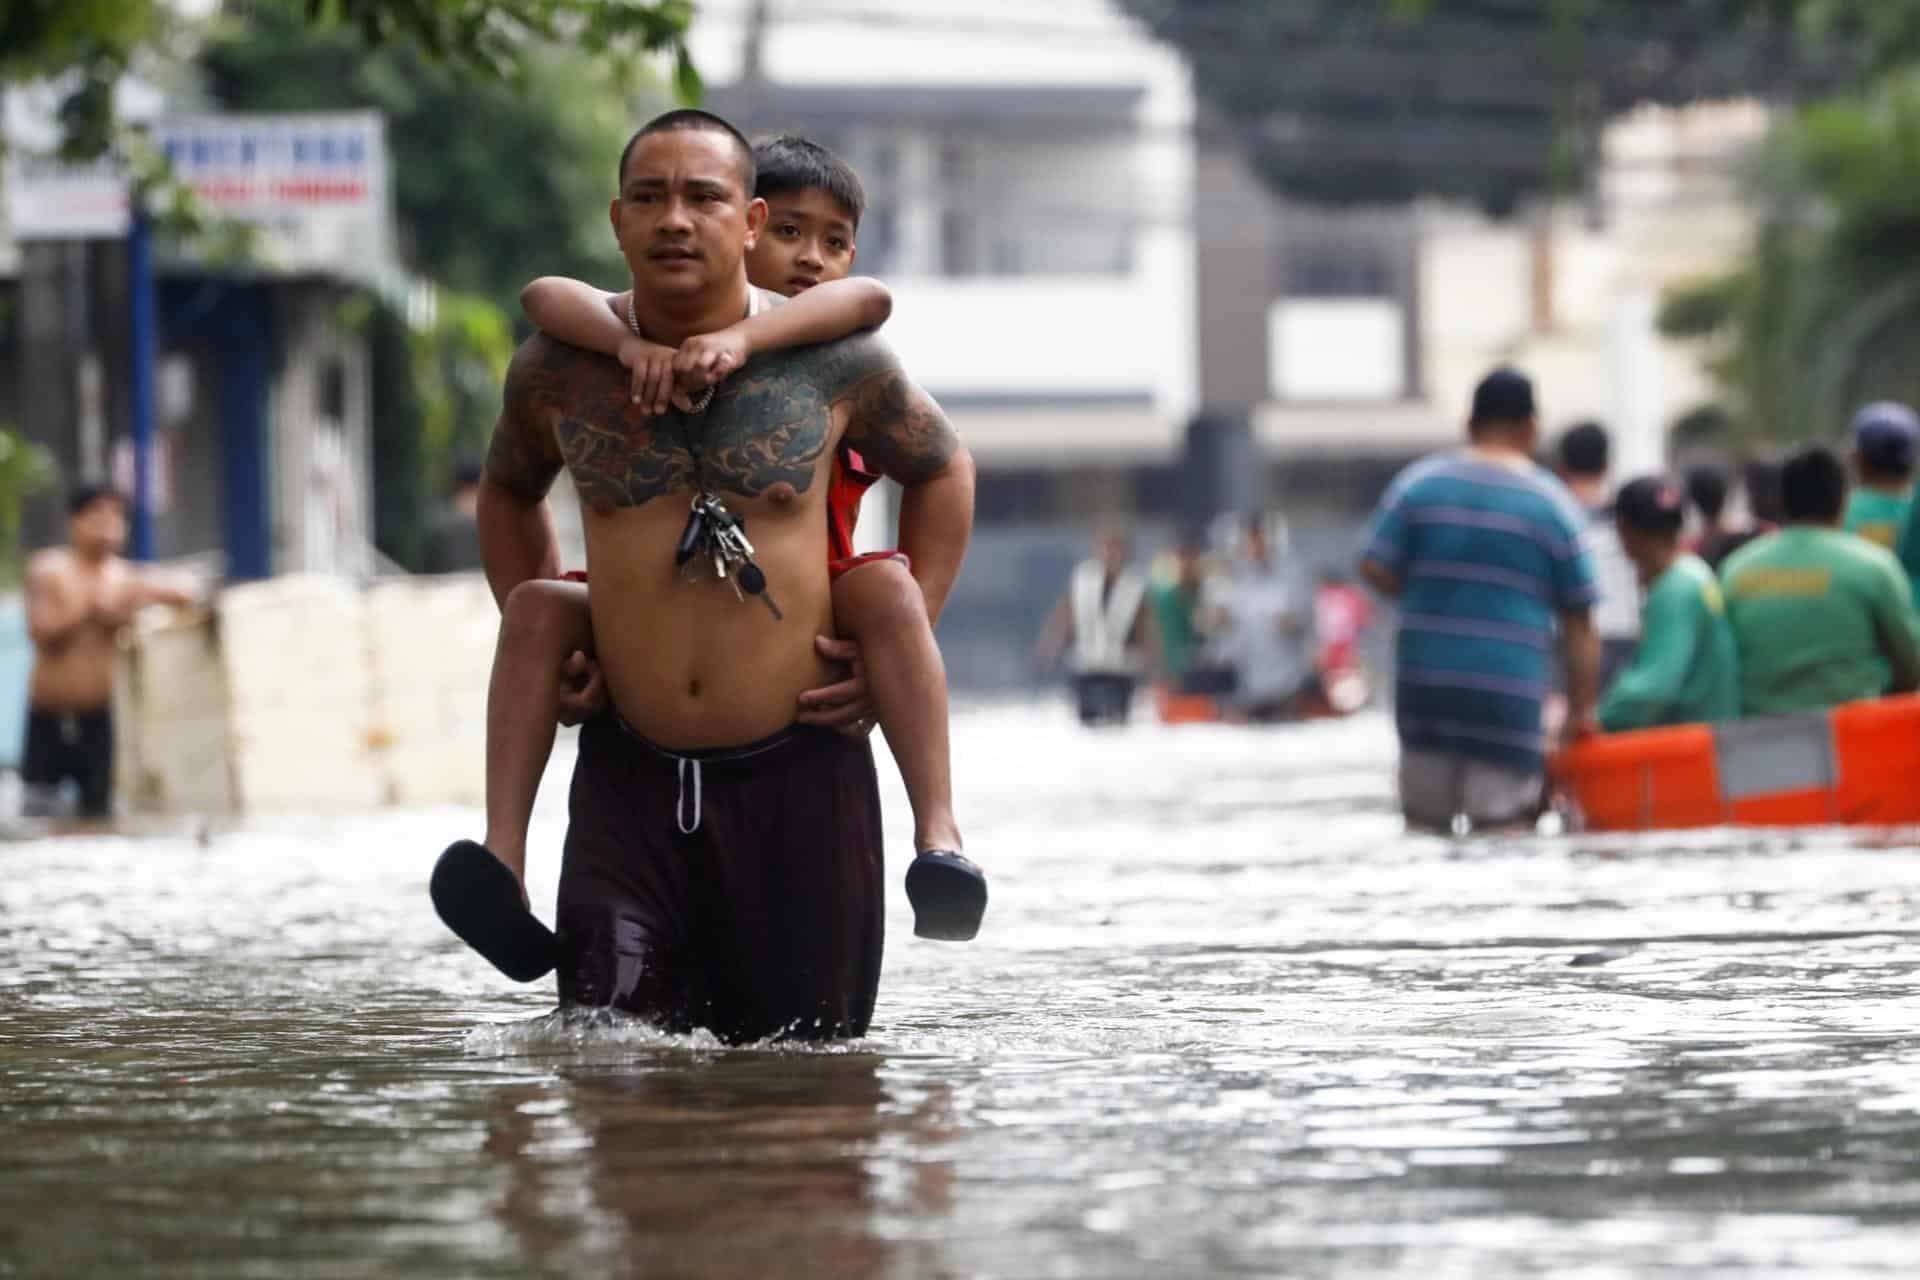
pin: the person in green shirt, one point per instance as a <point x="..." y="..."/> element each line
<point x="1820" y="616"/>
<point x="1885" y="436"/>
<point x="1176" y="588"/>
<point x="1686" y="669"/>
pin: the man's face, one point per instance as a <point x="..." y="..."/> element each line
<point x="1641" y="548"/>
<point x="682" y="217"/>
<point x="99" y="528"/>
<point x="808" y="240"/>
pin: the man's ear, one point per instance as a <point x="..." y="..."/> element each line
<point x="613" y="217"/>
<point x="756" y="220"/>
<point x="853" y="256"/>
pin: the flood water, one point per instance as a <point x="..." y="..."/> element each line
<point x="1225" y="1019"/>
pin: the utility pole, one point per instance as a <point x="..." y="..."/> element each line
<point x="753" y="70"/>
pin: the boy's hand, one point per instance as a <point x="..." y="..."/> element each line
<point x="652" y="366"/>
<point x="707" y="359"/>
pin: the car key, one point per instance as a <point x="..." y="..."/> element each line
<point x="753" y="580"/>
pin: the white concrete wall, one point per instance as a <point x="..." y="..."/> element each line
<point x="1015" y="335"/>
<point x="308" y="693"/>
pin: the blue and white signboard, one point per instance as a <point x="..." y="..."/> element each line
<point x="317" y="186"/>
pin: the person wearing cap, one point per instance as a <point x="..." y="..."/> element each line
<point x="1885" y="436"/>
<point x="1686" y="670"/>
<point x="1820" y="617"/>
<point x="1483" y="550"/>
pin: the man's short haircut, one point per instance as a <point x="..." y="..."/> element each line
<point x="1813" y="485"/>
<point x="1503" y="398"/>
<point x="1585" y="450"/>
<point x="691" y="118"/>
<point x="1707" y="487"/>
<point x="786" y="162"/>
<point x="86" y="495"/>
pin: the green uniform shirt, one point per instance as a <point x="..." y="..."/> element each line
<point x="1909" y="549"/>
<point x="1878" y="517"/>
<point x="1686" y="670"/>
<point x="1175" y="617"/>
<point x="1820" y="617"/>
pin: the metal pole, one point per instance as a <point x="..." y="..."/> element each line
<point x="140" y="340"/>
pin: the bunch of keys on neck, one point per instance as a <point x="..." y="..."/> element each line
<point x="715" y="534"/>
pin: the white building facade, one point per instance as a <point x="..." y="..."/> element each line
<point x="1029" y="178"/>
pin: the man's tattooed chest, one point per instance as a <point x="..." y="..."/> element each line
<point x="761" y="430"/>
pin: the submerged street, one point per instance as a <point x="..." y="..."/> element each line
<point x="1225" y="1018"/>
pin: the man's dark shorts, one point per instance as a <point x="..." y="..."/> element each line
<point x="739" y="890"/>
<point x="71" y="744"/>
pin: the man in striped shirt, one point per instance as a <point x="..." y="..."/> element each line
<point x="1483" y="551"/>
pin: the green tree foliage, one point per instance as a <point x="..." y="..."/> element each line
<point x="1350" y="101"/>
<point x="494" y="35"/>
<point x="93" y="42"/>
<point x="494" y="182"/>
<point x="1825" y="312"/>
<point x="26" y="471"/>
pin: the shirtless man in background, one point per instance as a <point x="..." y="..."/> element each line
<point x="78" y="598"/>
<point x="723" y="861"/>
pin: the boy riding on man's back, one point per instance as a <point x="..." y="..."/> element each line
<point x="546" y="640"/>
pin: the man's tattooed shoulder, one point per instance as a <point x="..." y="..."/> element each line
<point x="843" y="364"/>
<point x="894" y="424"/>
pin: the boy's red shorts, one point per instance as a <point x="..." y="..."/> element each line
<point x="846" y="487"/>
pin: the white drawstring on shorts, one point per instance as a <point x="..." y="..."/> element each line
<point x="680" y="801"/>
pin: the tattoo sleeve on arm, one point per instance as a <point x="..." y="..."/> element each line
<point x="895" y="425"/>
<point x="523" y="457"/>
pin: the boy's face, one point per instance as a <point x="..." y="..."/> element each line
<point x="808" y="240"/>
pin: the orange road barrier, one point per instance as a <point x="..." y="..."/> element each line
<point x="1857" y="764"/>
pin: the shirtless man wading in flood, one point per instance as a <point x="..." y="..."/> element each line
<point x="723" y="862"/>
<point x="78" y="598"/>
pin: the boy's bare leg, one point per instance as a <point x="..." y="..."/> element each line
<point x="543" y="624"/>
<point x="879" y="605"/>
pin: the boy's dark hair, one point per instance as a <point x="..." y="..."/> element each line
<point x="1707" y="487"/>
<point x="786" y="162"/>
<point x="86" y="495"/>
<point x="1585" y="450"/>
<point x="691" y="118"/>
<point x="1813" y="485"/>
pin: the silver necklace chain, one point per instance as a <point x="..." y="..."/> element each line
<point x="700" y="401"/>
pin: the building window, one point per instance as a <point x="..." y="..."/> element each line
<point x="1338" y="271"/>
<point x="958" y="256"/>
